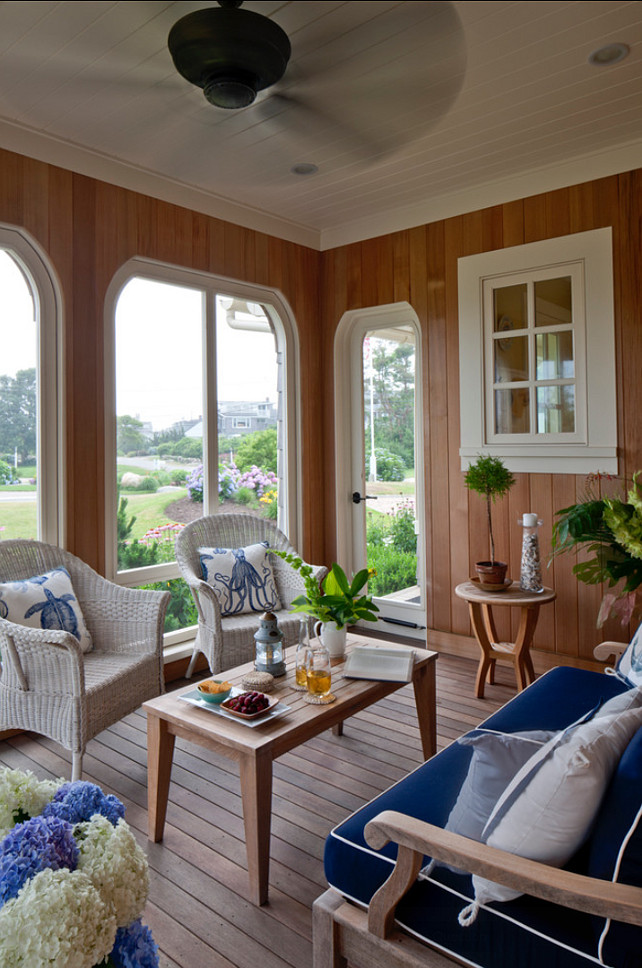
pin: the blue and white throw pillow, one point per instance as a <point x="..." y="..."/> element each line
<point x="629" y="666"/>
<point x="242" y="578"/>
<point x="45" y="602"/>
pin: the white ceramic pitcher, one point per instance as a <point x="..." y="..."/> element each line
<point x="332" y="637"/>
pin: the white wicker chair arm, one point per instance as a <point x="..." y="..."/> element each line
<point x="37" y="658"/>
<point x="207" y="605"/>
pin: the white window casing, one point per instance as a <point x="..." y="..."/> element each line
<point x="591" y="445"/>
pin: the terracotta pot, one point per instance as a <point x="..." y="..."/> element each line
<point x="491" y="573"/>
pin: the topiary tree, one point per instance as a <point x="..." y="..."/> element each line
<point x="490" y="478"/>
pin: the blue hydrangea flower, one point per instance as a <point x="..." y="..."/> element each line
<point x="77" y="802"/>
<point x="32" y="847"/>
<point x="134" y="947"/>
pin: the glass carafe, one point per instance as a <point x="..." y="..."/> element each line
<point x="301" y="657"/>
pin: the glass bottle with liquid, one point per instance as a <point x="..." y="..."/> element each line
<point x="301" y="657"/>
<point x="319" y="672"/>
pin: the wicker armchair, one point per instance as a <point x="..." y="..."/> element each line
<point x="47" y="684"/>
<point x="227" y="641"/>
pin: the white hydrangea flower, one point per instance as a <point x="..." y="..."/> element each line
<point x="58" y="918"/>
<point x="116" y="865"/>
<point x="23" y="791"/>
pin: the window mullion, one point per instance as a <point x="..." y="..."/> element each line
<point x="210" y="405"/>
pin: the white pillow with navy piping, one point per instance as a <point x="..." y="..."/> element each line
<point x="547" y="810"/>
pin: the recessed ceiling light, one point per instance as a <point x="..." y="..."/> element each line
<point x="304" y="168"/>
<point x="609" y="54"/>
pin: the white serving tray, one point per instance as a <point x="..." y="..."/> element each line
<point x="373" y="662"/>
<point x="193" y="697"/>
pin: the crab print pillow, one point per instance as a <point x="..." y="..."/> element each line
<point x="242" y="578"/>
<point x="45" y="602"/>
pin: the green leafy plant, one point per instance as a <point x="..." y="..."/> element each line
<point x="489" y="477"/>
<point x="338" y="599"/>
<point x="394" y="569"/>
<point x="610" y="531"/>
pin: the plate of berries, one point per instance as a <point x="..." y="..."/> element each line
<point x="249" y="705"/>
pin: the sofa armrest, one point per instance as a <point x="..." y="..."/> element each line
<point x="606" y="650"/>
<point x="417" y="839"/>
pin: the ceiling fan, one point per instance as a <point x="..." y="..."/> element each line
<point x="230" y="53"/>
<point x="234" y="54"/>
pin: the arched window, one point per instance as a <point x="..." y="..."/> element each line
<point x="202" y="416"/>
<point x="30" y="381"/>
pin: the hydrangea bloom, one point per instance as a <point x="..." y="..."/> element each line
<point x="58" y="919"/>
<point x="22" y="796"/>
<point x="135" y="947"/>
<point x="116" y="866"/>
<point x="33" y="846"/>
<point x="79" y="801"/>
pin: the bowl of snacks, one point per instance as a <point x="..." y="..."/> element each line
<point x="249" y="705"/>
<point x="214" y="690"/>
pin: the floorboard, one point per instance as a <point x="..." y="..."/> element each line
<point x="198" y="909"/>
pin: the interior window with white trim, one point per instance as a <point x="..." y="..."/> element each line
<point x="534" y="334"/>
<point x="537" y="355"/>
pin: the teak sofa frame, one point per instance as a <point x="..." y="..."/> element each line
<point x="344" y="934"/>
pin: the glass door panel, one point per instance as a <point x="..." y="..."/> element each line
<point x="392" y="532"/>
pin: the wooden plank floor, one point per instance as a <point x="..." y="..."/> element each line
<point x="198" y="908"/>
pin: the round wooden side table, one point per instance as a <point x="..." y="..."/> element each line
<point x="480" y="604"/>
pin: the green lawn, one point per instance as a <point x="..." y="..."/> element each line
<point x="18" y="519"/>
<point x="149" y="509"/>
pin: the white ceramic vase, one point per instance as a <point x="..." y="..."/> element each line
<point x="333" y="638"/>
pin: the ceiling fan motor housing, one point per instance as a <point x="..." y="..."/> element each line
<point x="230" y="53"/>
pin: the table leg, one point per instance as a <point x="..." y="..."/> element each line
<point x="524" y="664"/>
<point x="423" y="682"/>
<point x="479" y="615"/>
<point x="160" y="753"/>
<point x="256" y="793"/>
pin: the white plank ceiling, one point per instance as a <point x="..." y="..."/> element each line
<point x="400" y="105"/>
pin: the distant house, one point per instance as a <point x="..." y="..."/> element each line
<point x="239" y="417"/>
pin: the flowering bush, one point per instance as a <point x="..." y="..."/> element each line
<point x="231" y="481"/>
<point x="160" y="541"/>
<point x="195" y="484"/>
<point x="73" y="880"/>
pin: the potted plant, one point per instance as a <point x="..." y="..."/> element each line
<point x="489" y="477"/>
<point x="610" y="530"/>
<point x="336" y="603"/>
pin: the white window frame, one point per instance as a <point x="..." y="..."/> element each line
<point x="47" y="294"/>
<point x="593" y="445"/>
<point x="282" y="319"/>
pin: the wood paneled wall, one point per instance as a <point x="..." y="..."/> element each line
<point x="420" y="266"/>
<point x="89" y="229"/>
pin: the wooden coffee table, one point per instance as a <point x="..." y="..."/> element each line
<point x="255" y="748"/>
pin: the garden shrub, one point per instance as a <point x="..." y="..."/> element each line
<point x="178" y="476"/>
<point x="402" y="528"/>
<point x="257" y="449"/>
<point x="149" y="484"/>
<point x="181" y="610"/>
<point x="7" y="473"/>
<point x="394" y="569"/>
<point x="245" y="495"/>
<point x="376" y="530"/>
<point x="390" y="467"/>
<point x="269" y="504"/>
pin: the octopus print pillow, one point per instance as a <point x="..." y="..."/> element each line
<point x="242" y="578"/>
<point x="45" y="602"/>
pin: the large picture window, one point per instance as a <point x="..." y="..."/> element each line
<point x="537" y="355"/>
<point x="199" y="422"/>
<point x="30" y="379"/>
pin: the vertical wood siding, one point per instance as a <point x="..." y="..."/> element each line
<point x="420" y="265"/>
<point x="89" y="229"/>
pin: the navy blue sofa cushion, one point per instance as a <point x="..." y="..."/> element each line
<point x="525" y="932"/>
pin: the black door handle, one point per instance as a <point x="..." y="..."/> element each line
<point x="358" y="498"/>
